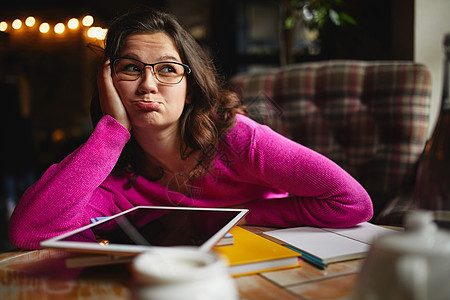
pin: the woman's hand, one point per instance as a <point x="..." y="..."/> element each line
<point x="110" y="101"/>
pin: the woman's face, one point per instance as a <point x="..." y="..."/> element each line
<point x="150" y="103"/>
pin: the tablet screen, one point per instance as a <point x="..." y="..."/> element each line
<point x="153" y="226"/>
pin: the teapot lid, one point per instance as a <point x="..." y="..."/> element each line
<point x="421" y="236"/>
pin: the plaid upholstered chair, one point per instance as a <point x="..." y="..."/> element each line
<point x="370" y="117"/>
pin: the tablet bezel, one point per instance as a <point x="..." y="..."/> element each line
<point x="57" y="242"/>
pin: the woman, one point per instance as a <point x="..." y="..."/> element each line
<point x="167" y="133"/>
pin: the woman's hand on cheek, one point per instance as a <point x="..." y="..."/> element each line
<point x="110" y="101"/>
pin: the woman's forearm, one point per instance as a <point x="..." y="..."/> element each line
<point x="57" y="201"/>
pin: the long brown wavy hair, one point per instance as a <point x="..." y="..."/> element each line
<point x="212" y="110"/>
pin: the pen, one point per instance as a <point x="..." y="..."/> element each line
<point x="309" y="258"/>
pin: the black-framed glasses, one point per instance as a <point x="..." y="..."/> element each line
<point x="167" y="72"/>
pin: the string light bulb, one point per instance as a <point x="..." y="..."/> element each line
<point x="93" y="32"/>
<point x="44" y="27"/>
<point x="59" y="28"/>
<point x="88" y="20"/>
<point x="16" y="24"/>
<point x="73" y="23"/>
<point x="30" y="21"/>
<point x="3" y="26"/>
<point x="97" y="33"/>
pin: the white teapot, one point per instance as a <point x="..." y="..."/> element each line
<point x="174" y="273"/>
<point x="410" y="265"/>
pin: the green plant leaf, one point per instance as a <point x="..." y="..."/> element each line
<point x="348" y="19"/>
<point x="334" y="17"/>
<point x="321" y="16"/>
<point x="289" y="22"/>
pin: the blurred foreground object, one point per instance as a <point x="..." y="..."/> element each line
<point x="410" y="265"/>
<point x="433" y="176"/>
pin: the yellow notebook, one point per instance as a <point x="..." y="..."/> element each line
<point x="252" y="254"/>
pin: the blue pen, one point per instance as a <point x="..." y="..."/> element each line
<point x="309" y="258"/>
<point x="95" y="220"/>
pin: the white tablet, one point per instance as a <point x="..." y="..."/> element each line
<point x="149" y="227"/>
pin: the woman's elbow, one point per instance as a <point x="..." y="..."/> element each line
<point x="22" y="236"/>
<point x="350" y="210"/>
<point x="361" y="209"/>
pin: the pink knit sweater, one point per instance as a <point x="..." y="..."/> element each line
<point x="281" y="182"/>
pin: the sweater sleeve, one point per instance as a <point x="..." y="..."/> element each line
<point x="321" y="193"/>
<point x="57" y="202"/>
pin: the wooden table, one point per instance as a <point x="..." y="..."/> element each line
<point x="42" y="274"/>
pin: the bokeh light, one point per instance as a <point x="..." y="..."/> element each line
<point x="16" y="24"/>
<point x="97" y="33"/>
<point x="59" y="28"/>
<point x="44" y="27"/>
<point x="3" y="26"/>
<point x="30" y="21"/>
<point x="88" y="20"/>
<point x="73" y="23"/>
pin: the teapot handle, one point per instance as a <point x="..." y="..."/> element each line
<point x="412" y="272"/>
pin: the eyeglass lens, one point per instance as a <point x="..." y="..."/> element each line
<point x="165" y="72"/>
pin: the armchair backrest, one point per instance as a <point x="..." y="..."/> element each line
<point x="370" y="117"/>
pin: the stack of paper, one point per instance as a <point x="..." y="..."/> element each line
<point x="321" y="246"/>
